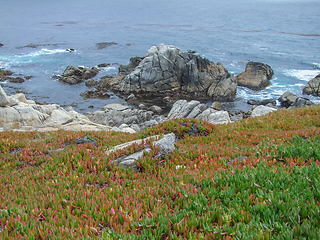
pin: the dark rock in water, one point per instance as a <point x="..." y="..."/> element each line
<point x="264" y="102"/>
<point x="1" y="45"/>
<point x="75" y="74"/>
<point x="91" y="83"/>
<point x="290" y="100"/>
<point x="85" y="140"/>
<point x="313" y="87"/>
<point x="167" y="70"/>
<point x="96" y="94"/>
<point x="4" y="74"/>
<point x="103" y="45"/>
<point x="257" y="76"/>
<point x="28" y="77"/>
<point x="104" y="65"/>
<point x="16" y="80"/>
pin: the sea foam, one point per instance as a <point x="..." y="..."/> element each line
<point x="305" y="75"/>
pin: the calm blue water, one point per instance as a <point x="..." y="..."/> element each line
<point x="284" y="34"/>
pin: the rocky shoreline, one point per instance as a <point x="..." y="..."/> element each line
<point x="20" y="114"/>
<point x="179" y="79"/>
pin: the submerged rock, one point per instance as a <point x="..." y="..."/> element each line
<point x="4" y="74"/>
<point x="256" y="76"/>
<point x="313" y="87"/>
<point x="16" y="80"/>
<point x="168" y="70"/>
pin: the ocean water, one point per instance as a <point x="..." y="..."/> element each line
<point x="284" y="34"/>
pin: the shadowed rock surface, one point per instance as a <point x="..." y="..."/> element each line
<point x="313" y="87"/>
<point x="75" y="74"/>
<point x="290" y="100"/>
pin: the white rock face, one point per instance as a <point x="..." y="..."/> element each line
<point x="194" y="109"/>
<point x="19" y="114"/>
<point x="262" y="110"/>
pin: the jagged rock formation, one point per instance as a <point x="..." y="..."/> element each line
<point x="256" y="76"/>
<point x="167" y="70"/>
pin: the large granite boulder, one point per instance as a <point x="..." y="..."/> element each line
<point x="256" y="76"/>
<point x="167" y="70"/>
<point x="194" y="109"/>
<point x="74" y="74"/>
<point x="313" y="87"/>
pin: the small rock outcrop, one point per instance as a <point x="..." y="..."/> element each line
<point x="4" y="74"/>
<point x="262" y="110"/>
<point x="74" y="74"/>
<point x="313" y="87"/>
<point x="256" y="76"/>
<point x="167" y="70"/>
<point x="266" y="102"/>
<point x="290" y="100"/>
<point x="114" y="115"/>
<point x="195" y="109"/>
<point x="166" y="145"/>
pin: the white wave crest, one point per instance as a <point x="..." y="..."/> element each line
<point x="305" y="75"/>
<point x="317" y="65"/>
<point x="45" y="51"/>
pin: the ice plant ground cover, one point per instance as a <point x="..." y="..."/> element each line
<point x="254" y="179"/>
